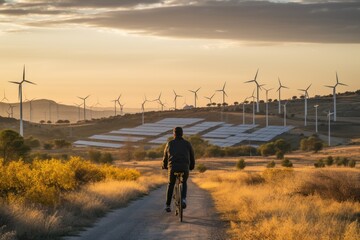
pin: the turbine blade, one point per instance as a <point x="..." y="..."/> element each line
<point x="24" y="73"/>
<point x="337" y="78"/>
<point x="256" y="74"/>
<point x="29" y="82"/>
<point x="198" y="89"/>
<point x="329" y="86"/>
<point x="342" y="84"/>
<point x="308" y="87"/>
<point x="249" y="81"/>
<point x="224" y="86"/>
<point x="15" y="82"/>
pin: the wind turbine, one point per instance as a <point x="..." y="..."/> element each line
<point x="223" y="91"/>
<point x="143" y="110"/>
<point x="195" y="93"/>
<point x="4" y="98"/>
<point x="30" y="109"/>
<point x="285" y="113"/>
<point x="176" y="96"/>
<point x="20" y="98"/>
<point x="258" y="87"/>
<point x="121" y="108"/>
<point x="334" y="93"/>
<point x="210" y="98"/>
<point x="316" y="118"/>
<point x="244" y="110"/>
<point x="329" y="119"/>
<point x="279" y="90"/>
<point x="253" y="103"/>
<point x="84" y="99"/>
<point x="117" y="100"/>
<point x="11" y="107"/>
<point x="267" y="105"/>
<point x="160" y="102"/>
<point x="306" y="96"/>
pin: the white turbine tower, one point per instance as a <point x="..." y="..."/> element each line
<point x="196" y="96"/>
<point x="334" y="93"/>
<point x="84" y="99"/>
<point x="176" y="96"/>
<point x="253" y="103"/>
<point x="223" y="91"/>
<point x="160" y="102"/>
<point x="121" y="108"/>
<point x="11" y="108"/>
<point x="210" y="98"/>
<point x="258" y="87"/>
<point x="116" y="101"/>
<point x="78" y="106"/>
<point x="306" y="96"/>
<point x="30" y="109"/>
<point x="316" y="118"/>
<point x="267" y="105"/>
<point x="20" y="98"/>
<point x="285" y="113"/>
<point x="279" y="90"/>
<point x="329" y="121"/>
<point x="244" y="109"/>
<point x="143" y="110"/>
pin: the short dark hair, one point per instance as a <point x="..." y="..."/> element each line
<point x="178" y="131"/>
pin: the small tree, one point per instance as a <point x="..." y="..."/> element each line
<point x="329" y="161"/>
<point x="271" y="164"/>
<point x="201" y="168"/>
<point x="61" y="143"/>
<point x="319" y="164"/>
<point x="286" y="163"/>
<point x="352" y="163"/>
<point x="106" y="158"/>
<point x="94" y="156"/>
<point x="241" y="164"/>
<point x="12" y="146"/>
<point x="48" y="146"/>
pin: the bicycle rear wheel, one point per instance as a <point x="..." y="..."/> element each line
<point x="180" y="203"/>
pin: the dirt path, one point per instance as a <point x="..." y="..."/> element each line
<point x="146" y="219"/>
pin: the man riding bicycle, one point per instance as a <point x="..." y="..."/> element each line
<point x="178" y="157"/>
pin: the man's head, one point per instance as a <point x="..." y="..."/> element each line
<point x="178" y="132"/>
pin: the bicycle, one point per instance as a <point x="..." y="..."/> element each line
<point x="178" y="195"/>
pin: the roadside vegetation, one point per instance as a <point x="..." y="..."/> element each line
<point x="44" y="198"/>
<point x="283" y="203"/>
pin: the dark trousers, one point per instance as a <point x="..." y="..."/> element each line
<point x="171" y="184"/>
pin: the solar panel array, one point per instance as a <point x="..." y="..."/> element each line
<point x="225" y="135"/>
<point x="228" y="130"/>
<point x="97" y="144"/>
<point x="117" y="138"/>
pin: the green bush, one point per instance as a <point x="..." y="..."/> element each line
<point x="106" y="158"/>
<point x="271" y="164"/>
<point x="201" y="168"/>
<point x="282" y="146"/>
<point x="352" y="163"/>
<point x="286" y="163"/>
<point x="319" y="164"/>
<point x="61" y="143"/>
<point x="329" y="161"/>
<point x="12" y="146"/>
<point x="267" y="149"/>
<point x="240" y="164"/>
<point x="214" y="151"/>
<point x="94" y="156"/>
<point x="140" y="154"/>
<point x="32" y="142"/>
<point x="312" y="143"/>
<point x="48" y="146"/>
<point x="279" y="154"/>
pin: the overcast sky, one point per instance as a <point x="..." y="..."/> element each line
<point x="104" y="47"/>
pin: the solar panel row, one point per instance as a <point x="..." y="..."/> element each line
<point x="97" y="144"/>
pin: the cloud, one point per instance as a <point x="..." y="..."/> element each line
<point x="263" y="21"/>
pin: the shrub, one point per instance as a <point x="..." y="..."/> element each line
<point x="312" y="143"/>
<point x="32" y="142"/>
<point x="48" y="146"/>
<point x="275" y="175"/>
<point x="240" y="164"/>
<point x="286" y="163"/>
<point x="106" y="158"/>
<point x="352" y="163"/>
<point x="271" y="164"/>
<point x="279" y="154"/>
<point x="140" y="154"/>
<point x="94" y="156"/>
<point x="201" y="168"/>
<point x="329" y="161"/>
<point x="40" y="156"/>
<point x="267" y="149"/>
<point x="342" y="161"/>
<point x="12" y="146"/>
<point x="61" y="143"/>
<point x="153" y="154"/>
<point x="319" y="164"/>
<point x="214" y="151"/>
<point x="282" y="146"/>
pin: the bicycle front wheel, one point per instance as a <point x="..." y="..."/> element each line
<point x="180" y="203"/>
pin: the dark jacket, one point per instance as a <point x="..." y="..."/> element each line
<point x="178" y="155"/>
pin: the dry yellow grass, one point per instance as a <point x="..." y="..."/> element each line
<point x="78" y="209"/>
<point x="278" y="204"/>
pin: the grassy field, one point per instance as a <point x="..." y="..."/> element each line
<point x="48" y="199"/>
<point x="286" y="203"/>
